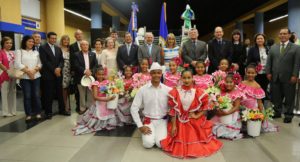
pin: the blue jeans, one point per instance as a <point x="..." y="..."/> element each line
<point x="31" y="92"/>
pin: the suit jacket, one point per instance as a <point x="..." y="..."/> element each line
<point x="217" y="52"/>
<point x="190" y="53"/>
<point x="124" y="59"/>
<point x="143" y="52"/>
<point x="79" y="65"/>
<point x="283" y="66"/>
<point x="73" y="49"/>
<point x="254" y="55"/>
<point x="50" y="61"/>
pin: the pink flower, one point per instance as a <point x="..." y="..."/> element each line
<point x="237" y="78"/>
<point x="259" y="67"/>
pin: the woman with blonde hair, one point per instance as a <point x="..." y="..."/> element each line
<point x="170" y="51"/>
<point x="109" y="56"/>
<point x="64" y="45"/>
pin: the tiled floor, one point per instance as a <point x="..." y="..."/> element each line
<point x="52" y="141"/>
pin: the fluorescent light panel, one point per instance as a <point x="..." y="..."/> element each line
<point x="77" y="14"/>
<point x="278" y="18"/>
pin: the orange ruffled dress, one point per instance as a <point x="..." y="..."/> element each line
<point x="194" y="137"/>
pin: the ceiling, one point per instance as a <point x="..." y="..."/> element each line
<point x="209" y="13"/>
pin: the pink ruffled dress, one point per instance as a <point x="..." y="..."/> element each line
<point x="171" y="80"/>
<point x="203" y="81"/>
<point x="252" y="94"/>
<point x="97" y="117"/>
<point x="230" y="131"/>
<point x="124" y="104"/>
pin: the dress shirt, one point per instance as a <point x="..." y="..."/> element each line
<point x="78" y="43"/>
<point x="285" y="44"/>
<point x="86" y="60"/>
<point x="52" y="48"/>
<point x="128" y="46"/>
<point x="154" y="100"/>
<point x="149" y="48"/>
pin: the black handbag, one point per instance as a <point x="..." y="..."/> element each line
<point x="72" y="86"/>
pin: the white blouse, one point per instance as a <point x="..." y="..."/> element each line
<point x="30" y="58"/>
<point x="263" y="59"/>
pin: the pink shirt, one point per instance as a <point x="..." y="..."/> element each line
<point x="7" y="59"/>
<point x="86" y="60"/>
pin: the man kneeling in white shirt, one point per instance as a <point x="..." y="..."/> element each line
<point x="153" y="97"/>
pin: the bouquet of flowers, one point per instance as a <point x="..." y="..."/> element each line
<point x="253" y="115"/>
<point x="115" y="85"/>
<point x="138" y="80"/>
<point x="219" y="77"/>
<point x="269" y="113"/>
<point x="223" y="102"/>
<point x="213" y="92"/>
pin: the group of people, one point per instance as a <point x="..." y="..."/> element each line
<point x="174" y="105"/>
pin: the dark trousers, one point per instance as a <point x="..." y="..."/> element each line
<point x="280" y="91"/>
<point x="51" y="88"/>
<point x="263" y="81"/>
<point x="31" y="92"/>
<point x="77" y="98"/>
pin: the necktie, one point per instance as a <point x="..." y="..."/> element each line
<point x="282" y="49"/>
<point x="149" y="49"/>
<point x="194" y="44"/>
<point x="128" y="49"/>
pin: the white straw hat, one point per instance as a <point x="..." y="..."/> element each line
<point x="87" y="80"/>
<point x="155" y="66"/>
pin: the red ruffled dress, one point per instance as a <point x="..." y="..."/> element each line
<point x="171" y="80"/>
<point x="203" y="81"/>
<point x="194" y="137"/>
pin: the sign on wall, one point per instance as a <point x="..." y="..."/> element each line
<point x="31" y="24"/>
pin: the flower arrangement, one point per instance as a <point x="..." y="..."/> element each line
<point x="223" y="102"/>
<point x="253" y="115"/>
<point x="269" y="113"/>
<point x="138" y="80"/>
<point x="219" y="77"/>
<point x="115" y="85"/>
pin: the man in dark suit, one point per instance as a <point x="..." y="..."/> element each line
<point x="128" y="53"/>
<point x="52" y="60"/>
<point x="85" y="63"/>
<point x="149" y="50"/>
<point x="37" y="40"/>
<point x="282" y="70"/>
<point x="75" y="47"/>
<point x="218" y="48"/>
<point x="193" y="50"/>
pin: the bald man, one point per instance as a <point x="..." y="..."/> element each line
<point x="75" y="47"/>
<point x="85" y="64"/>
<point x="149" y="50"/>
<point x="218" y="48"/>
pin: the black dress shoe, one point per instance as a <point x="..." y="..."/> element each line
<point x="287" y="120"/>
<point x="299" y="124"/>
<point x="65" y="113"/>
<point x="48" y="116"/>
<point x="276" y="116"/>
